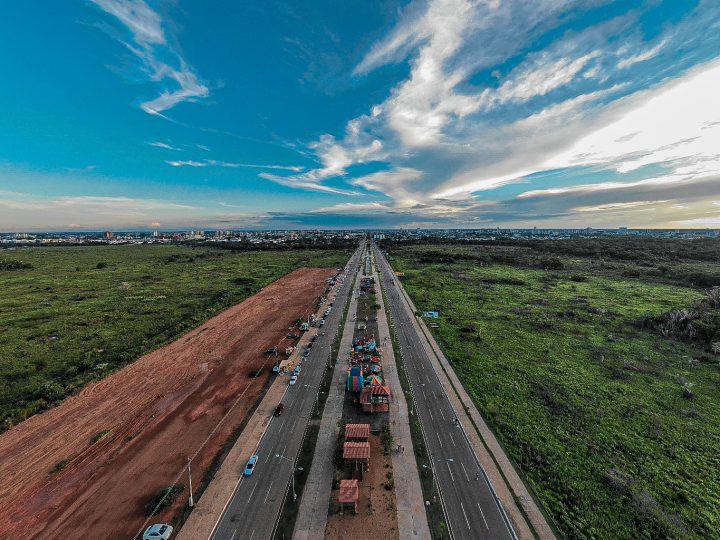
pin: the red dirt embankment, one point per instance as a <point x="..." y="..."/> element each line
<point x="156" y="412"/>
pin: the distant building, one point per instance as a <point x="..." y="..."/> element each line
<point x="108" y="234"/>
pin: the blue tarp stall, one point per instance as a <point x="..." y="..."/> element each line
<point x="431" y="314"/>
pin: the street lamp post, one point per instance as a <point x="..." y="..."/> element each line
<point x="292" y="461"/>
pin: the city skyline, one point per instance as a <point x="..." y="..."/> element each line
<point x="133" y="115"/>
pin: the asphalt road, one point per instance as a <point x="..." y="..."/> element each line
<point x="255" y="507"/>
<point x="470" y="508"/>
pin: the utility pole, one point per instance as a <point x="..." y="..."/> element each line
<point x="191" y="503"/>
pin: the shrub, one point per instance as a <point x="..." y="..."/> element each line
<point x="162" y="500"/>
<point x="13" y="265"/>
<point x="101" y="265"/>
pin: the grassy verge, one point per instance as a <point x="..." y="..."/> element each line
<point x="593" y="408"/>
<point x="69" y="316"/>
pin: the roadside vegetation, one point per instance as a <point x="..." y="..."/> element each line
<point x="72" y="315"/>
<point x="597" y="369"/>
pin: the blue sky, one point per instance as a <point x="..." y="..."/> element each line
<point x="132" y="114"/>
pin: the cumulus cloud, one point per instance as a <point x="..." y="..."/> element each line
<point x="149" y="43"/>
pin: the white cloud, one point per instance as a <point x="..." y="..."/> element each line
<point x="186" y="163"/>
<point x="166" y="146"/>
<point x="20" y="211"/>
<point x="143" y="22"/>
<point x="643" y="56"/>
<point x="216" y="163"/>
<point x="671" y="125"/>
<point x="298" y="182"/>
<point x="180" y="81"/>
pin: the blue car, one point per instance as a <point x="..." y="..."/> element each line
<point x="250" y="465"/>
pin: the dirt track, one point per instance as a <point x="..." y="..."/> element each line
<point x="157" y="411"/>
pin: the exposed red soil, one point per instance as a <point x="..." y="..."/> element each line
<point x="157" y="411"/>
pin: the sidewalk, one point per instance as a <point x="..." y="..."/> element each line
<point x="527" y="520"/>
<point x="313" y="512"/>
<point x="211" y="505"/>
<point x="411" y="515"/>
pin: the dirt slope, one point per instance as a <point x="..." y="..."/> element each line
<point x="156" y="412"/>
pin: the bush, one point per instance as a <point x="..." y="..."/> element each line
<point x="162" y="500"/>
<point x="13" y="265"/>
<point x="387" y="439"/>
<point x="101" y="265"/>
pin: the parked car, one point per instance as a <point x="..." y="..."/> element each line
<point x="279" y="409"/>
<point x="250" y="467"/>
<point x="159" y="531"/>
<point x="306" y="353"/>
<point x="322" y="322"/>
<point x="293" y="380"/>
<point x="293" y="335"/>
<point x="312" y="340"/>
<point x="276" y="368"/>
<point x="271" y="350"/>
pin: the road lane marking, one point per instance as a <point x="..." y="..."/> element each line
<point x="251" y="492"/>
<point x="438" y="438"/>
<point x="450" y="470"/>
<point x="483" y="516"/>
<point x="466" y="474"/>
<point x="464" y="514"/>
<point x="452" y="439"/>
<point x="268" y="493"/>
<point x="233" y="534"/>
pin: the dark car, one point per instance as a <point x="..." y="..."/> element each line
<point x="271" y="350"/>
<point x="293" y="335"/>
<point x="306" y="353"/>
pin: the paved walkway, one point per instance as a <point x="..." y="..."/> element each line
<point x="529" y="523"/>
<point x="313" y="512"/>
<point x="210" y="507"/>
<point x="412" y="518"/>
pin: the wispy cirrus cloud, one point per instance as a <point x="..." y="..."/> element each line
<point x="231" y="165"/>
<point x="159" y="60"/>
<point x="166" y="146"/>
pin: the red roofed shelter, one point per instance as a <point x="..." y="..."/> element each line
<point x="357" y="456"/>
<point x="357" y="432"/>
<point x="348" y="494"/>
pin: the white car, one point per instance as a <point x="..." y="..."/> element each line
<point x="293" y="380"/>
<point x="159" y="531"/>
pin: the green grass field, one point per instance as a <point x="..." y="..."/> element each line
<point x="77" y="314"/>
<point x="588" y="405"/>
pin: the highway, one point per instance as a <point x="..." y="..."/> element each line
<point x="470" y="507"/>
<point x="255" y="507"/>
